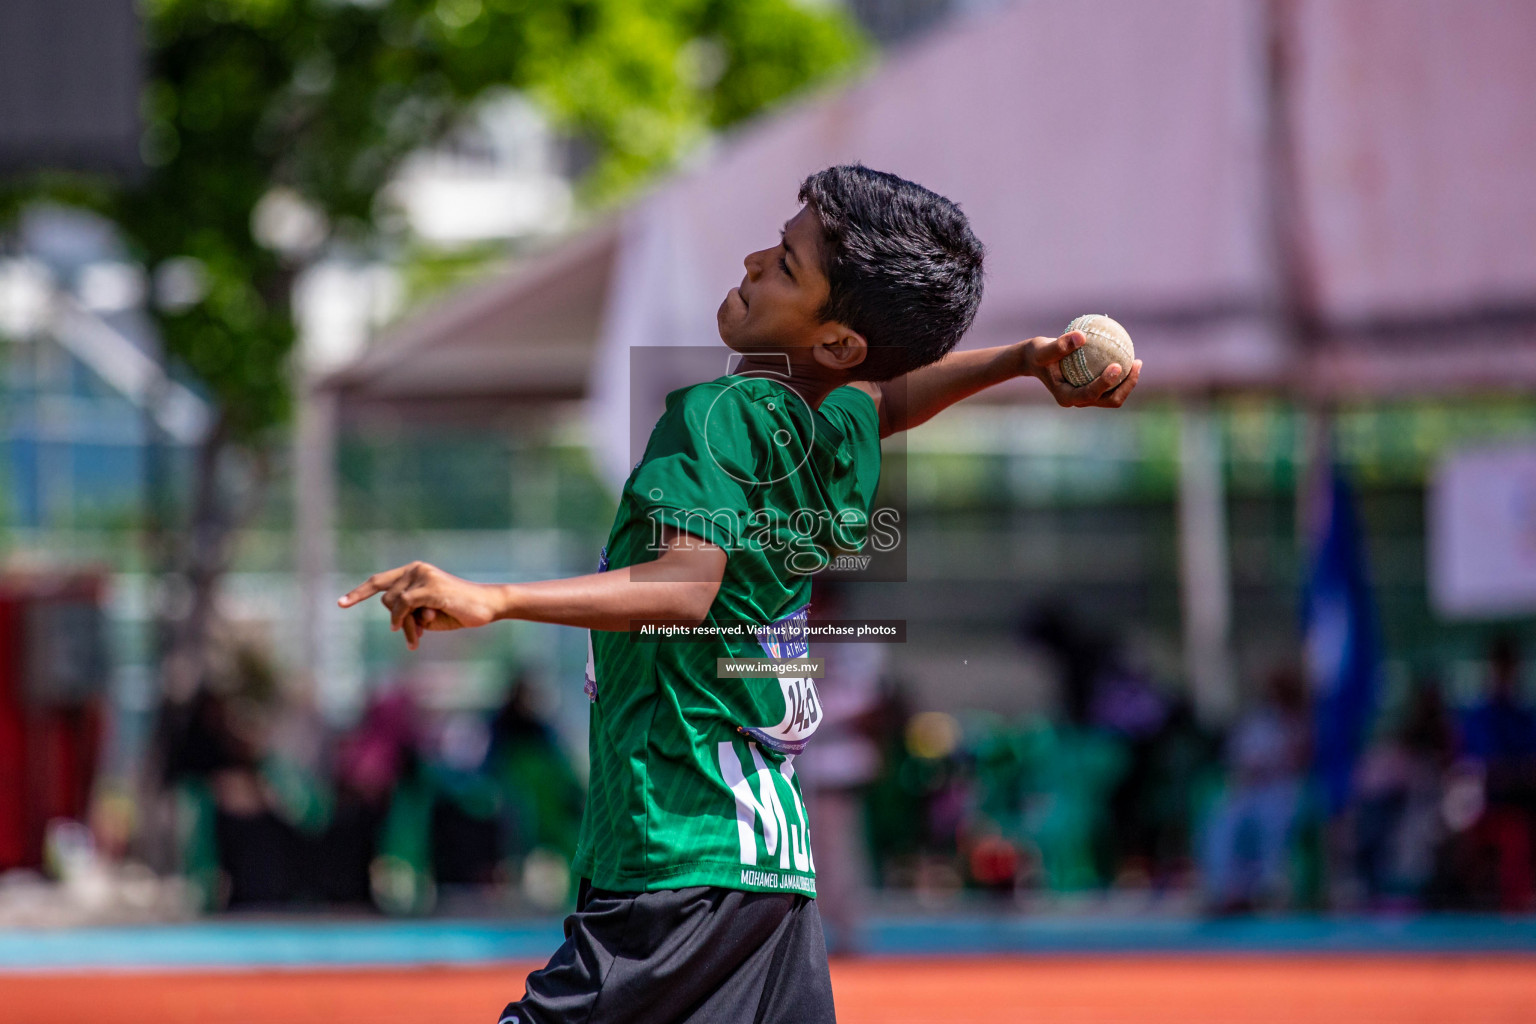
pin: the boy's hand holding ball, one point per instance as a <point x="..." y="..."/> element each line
<point x="1092" y="364"/>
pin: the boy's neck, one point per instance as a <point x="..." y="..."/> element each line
<point x="807" y="384"/>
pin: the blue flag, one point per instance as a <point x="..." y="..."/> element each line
<point x="1342" y="648"/>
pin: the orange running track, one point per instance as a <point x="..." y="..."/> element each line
<point x="1134" y="990"/>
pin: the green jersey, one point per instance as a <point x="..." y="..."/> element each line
<point x="693" y="779"/>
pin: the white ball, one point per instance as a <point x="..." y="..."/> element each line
<point x="1108" y="342"/>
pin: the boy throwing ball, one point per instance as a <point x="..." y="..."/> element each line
<point x="698" y="878"/>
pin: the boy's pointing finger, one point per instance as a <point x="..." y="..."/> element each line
<point x="375" y="584"/>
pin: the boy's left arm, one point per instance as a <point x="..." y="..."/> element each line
<point x="920" y="395"/>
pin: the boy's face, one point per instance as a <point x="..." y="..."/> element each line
<point x="777" y="306"/>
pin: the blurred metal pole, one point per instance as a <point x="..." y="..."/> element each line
<point x="1292" y="245"/>
<point x="1299" y="286"/>
<point x="314" y="460"/>
<point x="1205" y="584"/>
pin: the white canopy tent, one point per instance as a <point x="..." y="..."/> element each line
<point x="1322" y="196"/>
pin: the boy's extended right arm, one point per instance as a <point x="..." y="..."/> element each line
<point x="679" y="585"/>
<point x="920" y="395"/>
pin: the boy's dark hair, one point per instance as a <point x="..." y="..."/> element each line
<point x="904" y="267"/>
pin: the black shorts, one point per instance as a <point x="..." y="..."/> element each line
<point x="685" y="956"/>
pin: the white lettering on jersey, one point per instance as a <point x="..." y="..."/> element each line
<point x="801" y="846"/>
<point x="764" y="809"/>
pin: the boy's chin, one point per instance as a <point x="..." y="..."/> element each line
<point x="729" y="332"/>
<point x="723" y="324"/>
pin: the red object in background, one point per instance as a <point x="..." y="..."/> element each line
<point x="13" y="751"/>
<point x="1505" y="835"/>
<point x="995" y="862"/>
<point x="52" y="672"/>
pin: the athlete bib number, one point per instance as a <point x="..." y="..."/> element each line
<point x="786" y="638"/>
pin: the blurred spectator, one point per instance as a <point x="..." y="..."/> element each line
<point x="1105" y="794"/>
<point x="922" y="805"/>
<point x="541" y="794"/>
<point x="1182" y="772"/>
<point x="381" y="748"/>
<point x="371" y="761"/>
<point x="466" y="805"/>
<point x="1071" y="772"/>
<point x="895" y="801"/>
<point x="1126" y="706"/>
<point x="1248" y="836"/>
<point x="439" y="819"/>
<point x="246" y="816"/>
<point x="837" y="766"/>
<point x="1000" y="857"/>
<point x="1081" y="658"/>
<point x="417" y="803"/>
<point x="1500" y="739"/>
<point x="1399" y="787"/>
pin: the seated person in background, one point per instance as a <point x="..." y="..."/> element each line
<point x="1248" y="837"/>
<point x="1499" y="735"/>
<point x="1398" y="823"/>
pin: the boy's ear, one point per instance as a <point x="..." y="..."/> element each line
<point x="841" y="349"/>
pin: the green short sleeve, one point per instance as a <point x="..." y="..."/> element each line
<point x="700" y="465"/>
<point x="853" y="410"/>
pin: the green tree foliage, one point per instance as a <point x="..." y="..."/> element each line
<point x="325" y="97"/>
